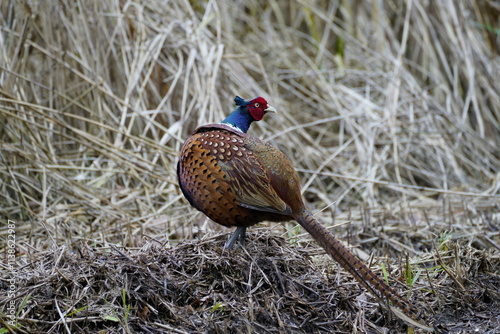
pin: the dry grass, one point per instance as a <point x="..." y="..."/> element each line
<point x="268" y="287"/>
<point x="389" y="110"/>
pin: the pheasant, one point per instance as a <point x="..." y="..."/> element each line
<point x="237" y="180"/>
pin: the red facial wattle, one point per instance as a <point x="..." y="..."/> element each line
<point x="257" y="113"/>
<point x="257" y="108"/>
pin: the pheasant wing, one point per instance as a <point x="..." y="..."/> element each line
<point x="252" y="185"/>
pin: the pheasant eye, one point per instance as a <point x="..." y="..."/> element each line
<point x="257" y="105"/>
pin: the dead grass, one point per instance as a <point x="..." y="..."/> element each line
<point x="389" y="110"/>
<point x="270" y="286"/>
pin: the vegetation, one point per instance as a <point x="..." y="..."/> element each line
<point x="390" y="111"/>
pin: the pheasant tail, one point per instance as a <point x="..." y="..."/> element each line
<point x="352" y="263"/>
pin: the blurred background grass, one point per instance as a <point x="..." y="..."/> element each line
<point x="382" y="105"/>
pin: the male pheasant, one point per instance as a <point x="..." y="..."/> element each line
<point x="237" y="180"/>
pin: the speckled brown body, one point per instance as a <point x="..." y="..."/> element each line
<point x="237" y="180"/>
<point x="215" y="159"/>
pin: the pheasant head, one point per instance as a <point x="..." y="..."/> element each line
<point x="247" y="112"/>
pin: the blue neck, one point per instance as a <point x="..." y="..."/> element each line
<point x="239" y="118"/>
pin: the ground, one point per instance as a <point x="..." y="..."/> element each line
<point x="271" y="285"/>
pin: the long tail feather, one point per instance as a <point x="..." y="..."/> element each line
<point x="353" y="264"/>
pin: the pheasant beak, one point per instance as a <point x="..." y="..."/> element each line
<point x="270" y="109"/>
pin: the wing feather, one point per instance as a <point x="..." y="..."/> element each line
<point x="252" y="185"/>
